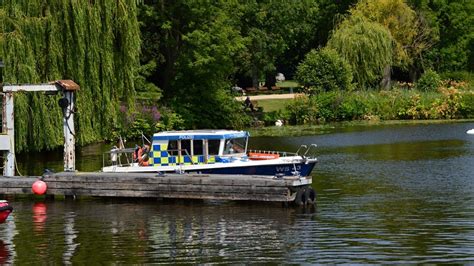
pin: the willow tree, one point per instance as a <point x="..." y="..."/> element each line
<point x="95" y="43"/>
<point x="365" y="45"/>
<point x="410" y="33"/>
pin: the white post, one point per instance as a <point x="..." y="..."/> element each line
<point x="9" y="128"/>
<point x="69" y="133"/>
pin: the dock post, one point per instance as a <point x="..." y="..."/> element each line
<point x="8" y="140"/>
<point x="69" y="133"/>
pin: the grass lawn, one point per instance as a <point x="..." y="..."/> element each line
<point x="271" y="105"/>
<point x="288" y="84"/>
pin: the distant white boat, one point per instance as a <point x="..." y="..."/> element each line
<point x="470" y="131"/>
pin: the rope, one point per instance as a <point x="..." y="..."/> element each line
<point x="16" y="165"/>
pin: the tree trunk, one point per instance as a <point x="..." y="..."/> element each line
<point x="413" y="74"/>
<point x="255" y="77"/>
<point x="270" y="80"/>
<point x="387" y="78"/>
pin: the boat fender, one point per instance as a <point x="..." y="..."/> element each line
<point x="113" y="155"/>
<point x="310" y="196"/>
<point x="300" y="197"/>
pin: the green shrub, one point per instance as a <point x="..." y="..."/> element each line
<point x="302" y="110"/>
<point x="458" y="76"/>
<point x="140" y="120"/>
<point x="445" y="103"/>
<point x="327" y="104"/>
<point x="269" y="118"/>
<point x="169" y="121"/>
<point x="429" y="81"/>
<point x="352" y="107"/>
<point x="324" y="70"/>
<point x="466" y="108"/>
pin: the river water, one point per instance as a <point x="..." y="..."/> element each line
<point x="386" y="194"/>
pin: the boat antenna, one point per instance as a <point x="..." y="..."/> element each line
<point x="121" y="144"/>
<point x="145" y="138"/>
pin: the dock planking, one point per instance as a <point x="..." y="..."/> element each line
<point x="154" y="185"/>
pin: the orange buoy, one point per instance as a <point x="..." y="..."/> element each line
<point x="39" y="187"/>
<point x="263" y="156"/>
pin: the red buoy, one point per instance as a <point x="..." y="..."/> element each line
<point x="39" y="187"/>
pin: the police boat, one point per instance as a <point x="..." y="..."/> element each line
<point x="208" y="152"/>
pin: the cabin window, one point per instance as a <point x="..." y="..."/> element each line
<point x="235" y="145"/>
<point x="186" y="146"/>
<point x="198" y="147"/>
<point x="214" y="146"/>
<point x="173" y="147"/>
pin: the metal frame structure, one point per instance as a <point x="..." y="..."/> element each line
<point x="7" y="138"/>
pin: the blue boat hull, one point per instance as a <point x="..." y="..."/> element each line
<point x="303" y="168"/>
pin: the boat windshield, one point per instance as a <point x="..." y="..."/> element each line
<point x="236" y="145"/>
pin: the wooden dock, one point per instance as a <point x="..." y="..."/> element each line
<point x="152" y="185"/>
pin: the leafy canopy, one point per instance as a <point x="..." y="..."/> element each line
<point x="324" y="70"/>
<point x="410" y="35"/>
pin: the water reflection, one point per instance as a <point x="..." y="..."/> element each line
<point x="147" y="232"/>
<point x="70" y="234"/>
<point x="7" y="247"/>
<point x="39" y="216"/>
<point x="4" y="253"/>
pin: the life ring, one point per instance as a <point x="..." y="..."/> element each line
<point x="137" y="154"/>
<point x="143" y="156"/>
<point x="143" y="160"/>
<point x="263" y="156"/>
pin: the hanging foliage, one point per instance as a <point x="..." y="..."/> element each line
<point x="96" y="43"/>
<point x="366" y="46"/>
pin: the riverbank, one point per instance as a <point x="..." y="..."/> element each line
<point x="349" y="126"/>
<point x="453" y="101"/>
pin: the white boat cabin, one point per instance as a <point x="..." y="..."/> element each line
<point x="197" y="147"/>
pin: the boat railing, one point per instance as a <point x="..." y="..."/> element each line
<point x="301" y="148"/>
<point x="118" y="157"/>
<point x="303" y="151"/>
<point x="310" y="151"/>
<point x="124" y="157"/>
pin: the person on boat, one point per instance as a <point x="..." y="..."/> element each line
<point x="137" y="154"/>
<point x="140" y="155"/>
<point x="232" y="147"/>
<point x="143" y="160"/>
